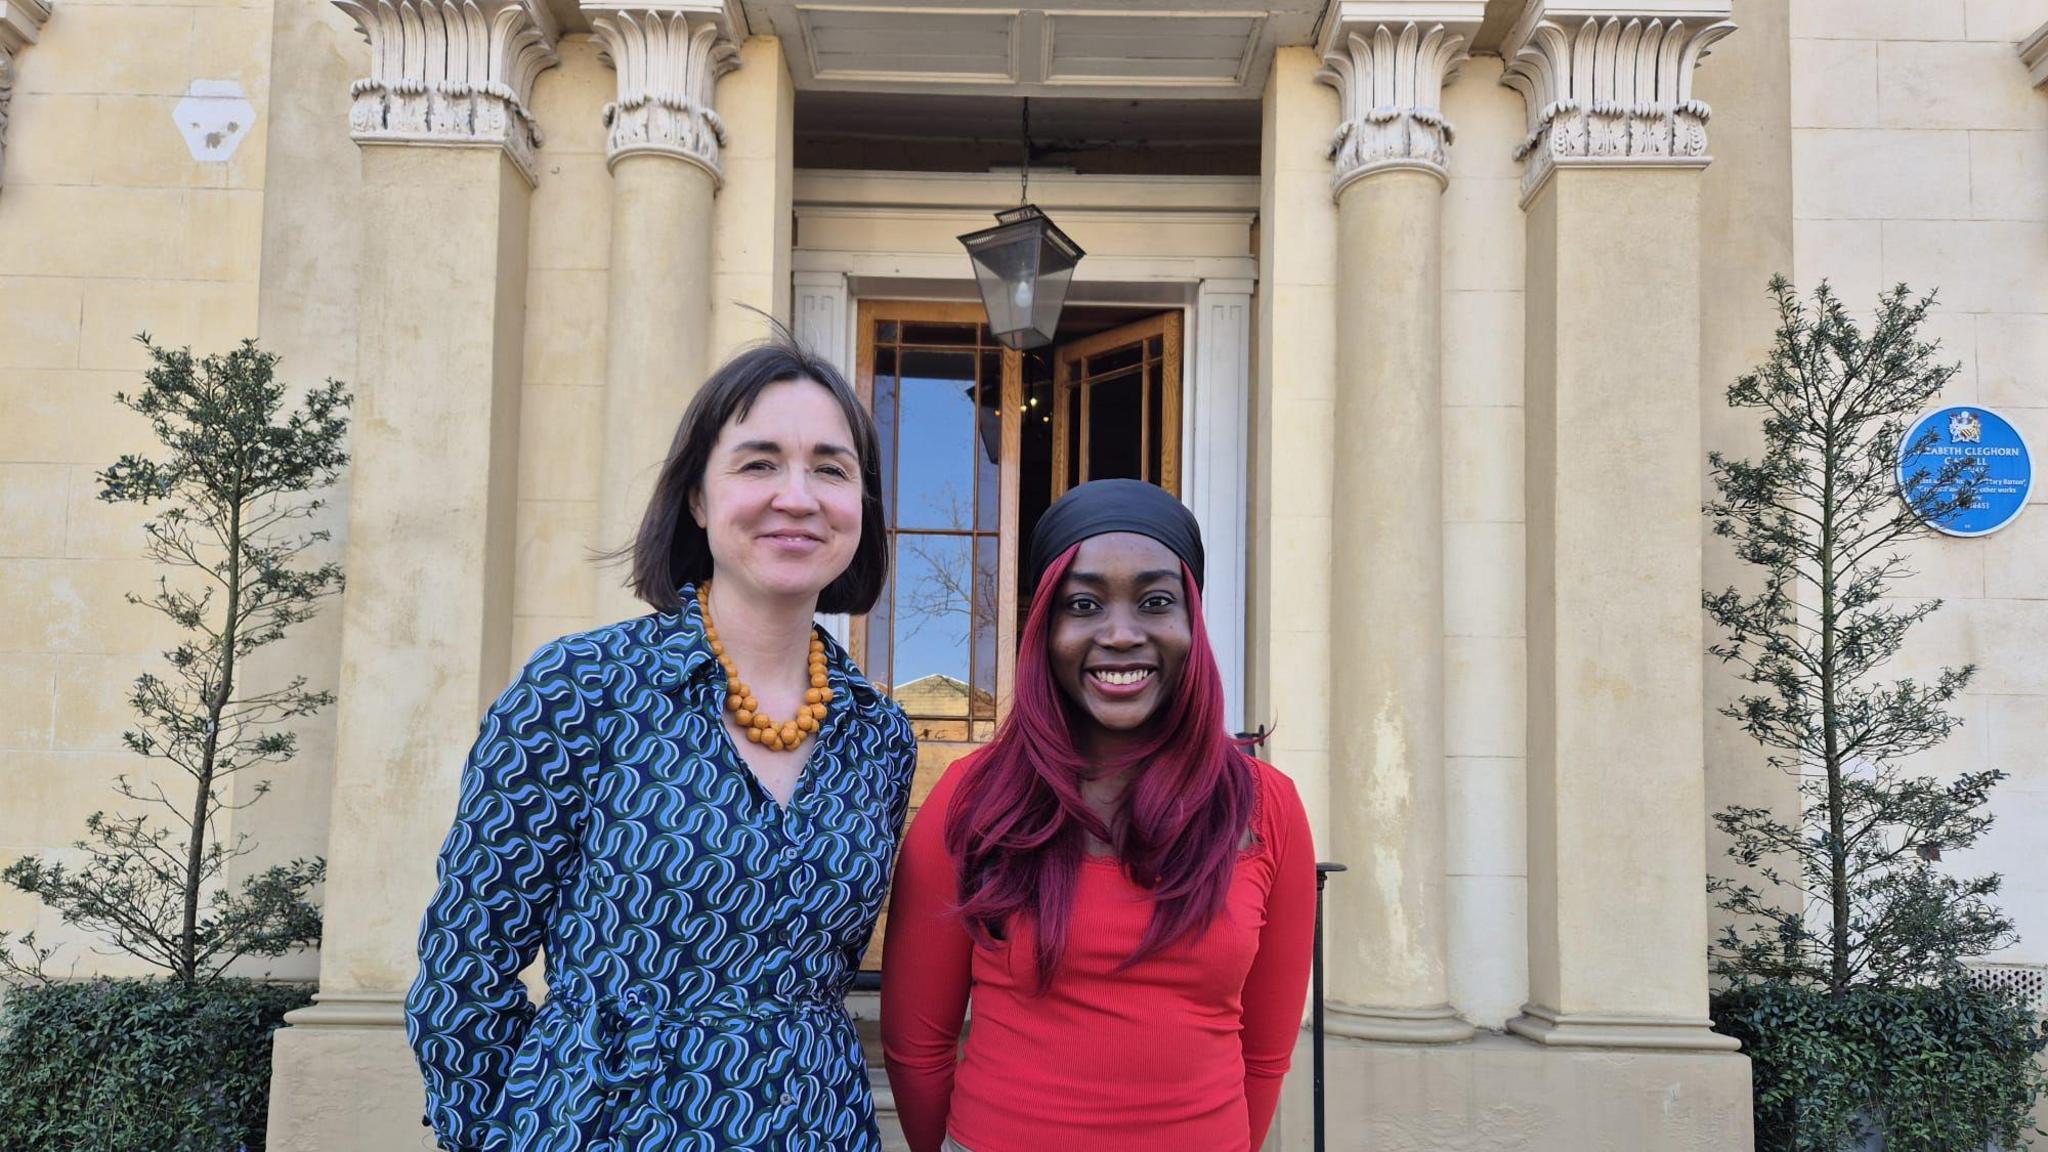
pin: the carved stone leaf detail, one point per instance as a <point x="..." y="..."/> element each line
<point x="452" y="72"/>
<point x="1390" y="79"/>
<point x="20" y="23"/>
<point x="668" y="63"/>
<point x="1613" y="87"/>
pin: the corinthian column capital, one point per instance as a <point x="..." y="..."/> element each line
<point x="1389" y="61"/>
<point x="20" y="21"/>
<point x="452" y="73"/>
<point x="1609" y="82"/>
<point x="668" y="57"/>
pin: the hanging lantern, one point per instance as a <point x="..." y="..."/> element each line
<point x="1023" y="266"/>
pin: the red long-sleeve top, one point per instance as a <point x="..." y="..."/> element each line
<point x="1182" y="1052"/>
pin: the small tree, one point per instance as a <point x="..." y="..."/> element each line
<point x="1823" y="514"/>
<point x="231" y="519"/>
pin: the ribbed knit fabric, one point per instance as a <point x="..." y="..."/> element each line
<point x="1183" y="1052"/>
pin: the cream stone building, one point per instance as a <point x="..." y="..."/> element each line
<point x="1425" y="307"/>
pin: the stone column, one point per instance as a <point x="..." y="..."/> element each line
<point x="1388" y="974"/>
<point x="448" y="156"/>
<point x="664" y="160"/>
<point x="1611" y="196"/>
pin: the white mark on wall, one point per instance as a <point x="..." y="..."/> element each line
<point x="1389" y="800"/>
<point x="213" y="117"/>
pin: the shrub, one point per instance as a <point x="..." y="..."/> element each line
<point x="1944" y="1068"/>
<point x="121" y="1065"/>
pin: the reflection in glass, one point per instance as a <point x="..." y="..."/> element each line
<point x="885" y="421"/>
<point x="1124" y="356"/>
<point x="935" y="582"/>
<point x="961" y="335"/>
<point x="988" y="457"/>
<point x="881" y="621"/>
<point x="985" y="647"/>
<point x="935" y="468"/>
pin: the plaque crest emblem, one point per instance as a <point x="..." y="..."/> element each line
<point x="1965" y="428"/>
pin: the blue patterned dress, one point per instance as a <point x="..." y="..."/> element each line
<point x="700" y="937"/>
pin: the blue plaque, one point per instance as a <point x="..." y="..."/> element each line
<point x="1968" y="430"/>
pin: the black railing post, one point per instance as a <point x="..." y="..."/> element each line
<point x="1322" y="876"/>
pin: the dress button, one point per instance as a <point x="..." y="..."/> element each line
<point x="789" y="853"/>
<point x="787" y="1099"/>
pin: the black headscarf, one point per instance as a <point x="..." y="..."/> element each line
<point x="1103" y="506"/>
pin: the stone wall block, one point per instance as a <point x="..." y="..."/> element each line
<point x="1482" y="348"/>
<point x="28" y="694"/>
<point x="1864" y="174"/>
<point x="1836" y="84"/>
<point x="1877" y="20"/>
<point x="1483" y="466"/>
<point x="1953" y="85"/>
<point x="2008" y="171"/>
<point x="32" y="509"/>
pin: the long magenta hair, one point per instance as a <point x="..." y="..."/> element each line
<point x="1017" y="822"/>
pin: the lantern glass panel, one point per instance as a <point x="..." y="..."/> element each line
<point x="1023" y="267"/>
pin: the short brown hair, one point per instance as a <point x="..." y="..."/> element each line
<point x="671" y="550"/>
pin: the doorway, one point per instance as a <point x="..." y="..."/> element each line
<point x="977" y="441"/>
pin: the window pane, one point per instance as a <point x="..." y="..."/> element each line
<point x="880" y="618"/>
<point x="983" y="700"/>
<point x="1033" y="475"/>
<point x="935" y="582"/>
<point x="959" y="335"/>
<point x="885" y="421"/>
<point x="1114" y="419"/>
<point x="1127" y="356"/>
<point x="935" y="476"/>
<point x="988" y="456"/>
<point x="885" y="331"/>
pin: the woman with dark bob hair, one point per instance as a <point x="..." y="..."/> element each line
<point x="1125" y="896"/>
<point x="693" y="813"/>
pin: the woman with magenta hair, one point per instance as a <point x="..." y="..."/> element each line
<point x="1124" y="895"/>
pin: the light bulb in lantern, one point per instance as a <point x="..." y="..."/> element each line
<point x="1021" y="295"/>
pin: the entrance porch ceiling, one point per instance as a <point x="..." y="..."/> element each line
<point x="1185" y="49"/>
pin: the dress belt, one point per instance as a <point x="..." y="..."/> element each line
<point x="630" y="1041"/>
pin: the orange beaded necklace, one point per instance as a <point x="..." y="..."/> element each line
<point x="745" y="709"/>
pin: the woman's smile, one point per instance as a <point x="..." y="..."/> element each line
<point x="794" y="541"/>
<point x="1121" y="682"/>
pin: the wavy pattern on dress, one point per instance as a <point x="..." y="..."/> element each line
<point x="700" y="938"/>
